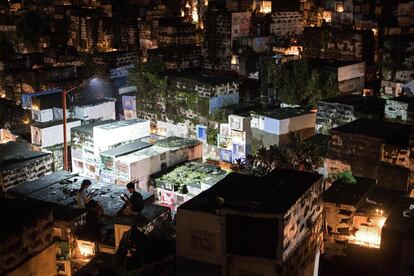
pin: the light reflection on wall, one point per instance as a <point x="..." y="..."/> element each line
<point x="368" y="233"/>
<point x="86" y="248"/>
<point x="327" y="16"/>
<point x="265" y="6"/>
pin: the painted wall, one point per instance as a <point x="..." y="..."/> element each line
<point x="191" y="227"/>
<point x="102" y="111"/>
<point x="105" y="138"/>
<point x="223" y="100"/>
<point x="169" y="129"/>
<point x="352" y="71"/>
<point x="51" y="136"/>
<point x="284" y="126"/>
<point x="42" y="116"/>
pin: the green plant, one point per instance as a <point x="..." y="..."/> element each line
<point x="212" y="132"/>
<point x="346" y="177"/>
<point x="297" y="155"/>
<point x="299" y="83"/>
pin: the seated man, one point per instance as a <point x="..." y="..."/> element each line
<point x="134" y="203"/>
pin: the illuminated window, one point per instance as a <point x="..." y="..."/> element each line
<point x="234" y="59"/>
<point x="266" y="6"/>
<point x="339" y="7"/>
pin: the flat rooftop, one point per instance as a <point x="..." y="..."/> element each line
<point x="126" y="148"/>
<point x="359" y="102"/>
<point x="273" y="194"/>
<point x="282" y="113"/>
<point x="174" y="142"/>
<point x="88" y="128"/>
<point x="380" y="198"/>
<point x="160" y="147"/>
<point x="59" y="189"/>
<point x="53" y="123"/>
<point x="404" y="98"/>
<point x="91" y="102"/>
<point x="15" y="154"/>
<point x="347" y="193"/>
<point x="202" y="77"/>
<point x="142" y="154"/>
<point x="392" y="133"/>
<point x="119" y="124"/>
<point x="191" y="174"/>
<point x="42" y="93"/>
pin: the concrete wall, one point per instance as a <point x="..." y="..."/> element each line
<point x="397" y="110"/>
<point x="41" y="264"/>
<point x="352" y="71"/>
<point x="339" y="221"/>
<point x="105" y="138"/>
<point x="28" y="250"/>
<point x="51" y="136"/>
<point x="286" y="22"/>
<point x="331" y="115"/>
<point x="300" y="233"/>
<point x="103" y="111"/>
<point x="300" y="218"/>
<point x="220" y="101"/>
<point x="352" y="85"/>
<point x="266" y="139"/>
<point x="141" y="169"/>
<point x="362" y="152"/>
<point x="284" y="126"/>
<point x="31" y="170"/>
<point x="192" y="227"/>
<point x="42" y="116"/>
<point x="169" y="129"/>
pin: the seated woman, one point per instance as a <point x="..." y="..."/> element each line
<point x="82" y="197"/>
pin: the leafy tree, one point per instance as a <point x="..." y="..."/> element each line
<point x="298" y="83"/>
<point x="151" y="84"/>
<point x="11" y="115"/>
<point x="212" y="132"/>
<point x="297" y="155"/>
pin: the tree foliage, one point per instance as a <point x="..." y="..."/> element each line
<point x="151" y="84"/>
<point x="299" y="83"/>
<point x="11" y="114"/>
<point x="297" y="155"/>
